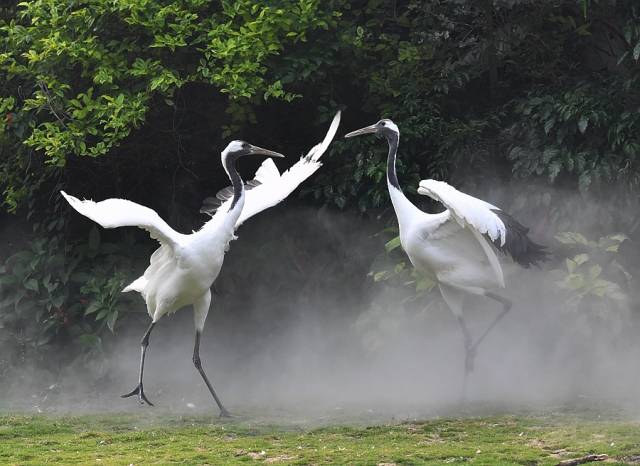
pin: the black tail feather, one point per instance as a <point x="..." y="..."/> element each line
<point x="518" y="244"/>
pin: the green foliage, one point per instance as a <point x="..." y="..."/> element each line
<point x="583" y="129"/>
<point x="52" y="292"/>
<point x="394" y="269"/>
<point x="588" y="134"/>
<point x="498" y="90"/>
<point x="79" y="77"/>
<point x="594" y="280"/>
<point x="534" y="89"/>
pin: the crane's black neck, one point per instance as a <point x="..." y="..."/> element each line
<point x="234" y="176"/>
<point x="393" y="140"/>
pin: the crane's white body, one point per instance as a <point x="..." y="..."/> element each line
<point x="455" y="247"/>
<point x="449" y="247"/>
<point x="183" y="268"/>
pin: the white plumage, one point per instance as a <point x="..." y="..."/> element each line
<point x="455" y="247"/>
<point x="467" y="210"/>
<point x="274" y="187"/>
<point x="183" y="268"/>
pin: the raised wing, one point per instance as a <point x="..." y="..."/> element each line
<point x="467" y="210"/>
<point x="113" y="213"/>
<point x="487" y="221"/>
<point x="470" y="212"/>
<point x="270" y="187"/>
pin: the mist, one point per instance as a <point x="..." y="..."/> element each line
<point x="297" y="330"/>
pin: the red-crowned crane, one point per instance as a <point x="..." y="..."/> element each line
<point x="184" y="267"/>
<point x="455" y="247"/>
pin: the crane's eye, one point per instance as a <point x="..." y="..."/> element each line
<point x="383" y="123"/>
<point x="245" y="145"/>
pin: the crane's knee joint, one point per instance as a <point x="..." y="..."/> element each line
<point x="197" y="362"/>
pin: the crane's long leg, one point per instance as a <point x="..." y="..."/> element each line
<point x="469" y="347"/>
<point x="454" y="297"/>
<point x="143" y="351"/>
<point x="198" y="364"/>
<point x="506" y="306"/>
<point x="200" y="311"/>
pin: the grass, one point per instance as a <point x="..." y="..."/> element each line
<point x="150" y="439"/>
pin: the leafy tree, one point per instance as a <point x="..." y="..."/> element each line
<point x="79" y="76"/>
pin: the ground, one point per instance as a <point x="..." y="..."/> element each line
<point x="146" y="437"/>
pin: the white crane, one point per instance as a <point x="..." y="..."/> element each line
<point x="455" y="247"/>
<point x="184" y="267"/>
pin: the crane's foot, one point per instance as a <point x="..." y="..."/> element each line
<point x="141" y="396"/>
<point x="225" y="413"/>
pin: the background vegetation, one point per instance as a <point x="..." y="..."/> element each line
<point x="136" y="98"/>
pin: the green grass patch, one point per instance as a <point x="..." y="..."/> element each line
<point x="144" y="439"/>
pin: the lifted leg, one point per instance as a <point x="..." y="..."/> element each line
<point x="506" y="306"/>
<point x="139" y="389"/>
<point x="471" y="348"/>
<point x="198" y="364"/>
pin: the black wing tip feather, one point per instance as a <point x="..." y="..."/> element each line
<point x="518" y="244"/>
<point x="211" y="204"/>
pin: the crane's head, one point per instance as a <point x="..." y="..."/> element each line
<point x="384" y="127"/>
<point x="236" y="149"/>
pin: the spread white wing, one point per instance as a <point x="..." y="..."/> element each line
<point x="467" y="210"/>
<point x="472" y="213"/>
<point x="273" y="187"/>
<point x="113" y="213"/>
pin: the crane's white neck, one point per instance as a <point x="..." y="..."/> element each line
<point x="405" y="211"/>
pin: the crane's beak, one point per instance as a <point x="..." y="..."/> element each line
<point x="365" y="130"/>
<point x="255" y="150"/>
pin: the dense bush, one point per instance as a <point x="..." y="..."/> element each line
<point x="132" y="98"/>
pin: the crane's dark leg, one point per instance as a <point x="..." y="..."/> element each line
<point x="198" y="364"/>
<point x="454" y="298"/>
<point x="139" y="389"/>
<point x="469" y="355"/>
<point x="506" y="306"/>
<point x="469" y="347"/>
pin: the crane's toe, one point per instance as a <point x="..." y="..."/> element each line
<point x="139" y="390"/>
<point x="225" y="413"/>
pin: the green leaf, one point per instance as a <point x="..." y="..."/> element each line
<point x="93" y="307"/>
<point x="111" y="321"/>
<point x="103" y="313"/>
<point x="582" y="124"/>
<point x="619" y="237"/>
<point x="58" y="301"/>
<point x="392" y="244"/>
<point x="379" y="276"/>
<point x="8" y="280"/>
<point x="581" y="259"/>
<point x="594" y="271"/>
<point x="31" y="284"/>
<point x="570" y="237"/>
